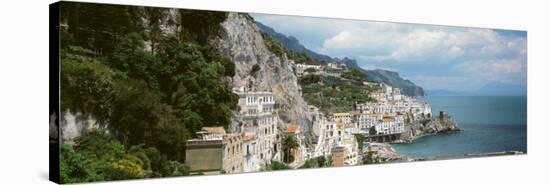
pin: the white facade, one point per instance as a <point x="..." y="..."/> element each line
<point x="387" y="113"/>
<point x="259" y="128"/>
<point x="337" y="65"/>
<point x="301" y="68"/>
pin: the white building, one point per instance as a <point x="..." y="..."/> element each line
<point x="337" y="65"/>
<point x="259" y="128"/>
<point x="344" y="117"/>
<point x="301" y="68"/>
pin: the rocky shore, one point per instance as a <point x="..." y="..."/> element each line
<point x="443" y="123"/>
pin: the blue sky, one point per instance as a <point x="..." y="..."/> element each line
<point x="434" y="57"/>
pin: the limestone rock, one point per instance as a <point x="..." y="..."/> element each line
<point x="242" y="41"/>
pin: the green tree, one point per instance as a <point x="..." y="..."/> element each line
<point x="86" y="84"/>
<point x="289" y="144"/>
<point x="201" y="24"/>
<point x="355" y="74"/>
<point x="372" y="131"/>
<point x="155" y="18"/>
<point x="168" y="135"/>
<point x="310" y="79"/>
<point x="174" y="168"/>
<point x="273" y="45"/>
<point x="276" y="165"/>
<point x="131" y="119"/>
<point x="407" y="120"/>
<point x="97" y="26"/>
<point x="73" y="168"/>
<point x="360" y="139"/>
<point x="126" y="168"/>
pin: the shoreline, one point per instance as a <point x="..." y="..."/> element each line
<point x="465" y="156"/>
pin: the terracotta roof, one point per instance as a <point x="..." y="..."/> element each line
<point x="214" y="130"/>
<point x="388" y="118"/>
<point x="292" y="128"/>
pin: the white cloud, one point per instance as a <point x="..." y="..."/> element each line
<point x="404" y="42"/>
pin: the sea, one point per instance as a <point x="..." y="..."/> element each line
<point x="489" y="124"/>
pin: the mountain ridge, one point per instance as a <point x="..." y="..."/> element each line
<point x="377" y="75"/>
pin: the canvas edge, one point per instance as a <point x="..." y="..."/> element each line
<point x="54" y="139"/>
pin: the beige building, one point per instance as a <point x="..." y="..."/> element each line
<point x="214" y="152"/>
<point x="233" y="153"/>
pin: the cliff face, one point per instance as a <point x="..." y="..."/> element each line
<point x="419" y="128"/>
<point x="242" y="41"/>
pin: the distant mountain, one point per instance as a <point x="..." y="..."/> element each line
<point x="389" y="77"/>
<point x="377" y="75"/>
<point x="499" y="88"/>
<point x="292" y="43"/>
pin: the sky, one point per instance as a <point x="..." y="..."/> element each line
<point x="433" y="57"/>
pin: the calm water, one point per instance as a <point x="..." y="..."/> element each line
<point x="489" y="123"/>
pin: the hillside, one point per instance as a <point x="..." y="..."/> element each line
<point x="334" y="94"/>
<point x="377" y="75"/>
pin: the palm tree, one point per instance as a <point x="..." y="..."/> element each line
<point x="372" y="131"/>
<point x="289" y="143"/>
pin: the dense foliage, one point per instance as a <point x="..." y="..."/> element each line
<point x="273" y="45"/>
<point x="276" y="165"/>
<point x="354" y="74"/>
<point x="279" y="49"/>
<point x="98" y="156"/>
<point x="149" y="88"/>
<point x="318" y="162"/>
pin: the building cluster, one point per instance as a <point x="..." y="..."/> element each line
<point x="251" y="146"/>
<point x="337" y="65"/>
<point x="388" y="114"/>
<point x="331" y="69"/>
<point x="302" y="69"/>
<point x="256" y="135"/>
<point x="335" y="138"/>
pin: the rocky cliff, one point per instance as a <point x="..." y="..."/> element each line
<point x="418" y="128"/>
<point x="242" y="41"/>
